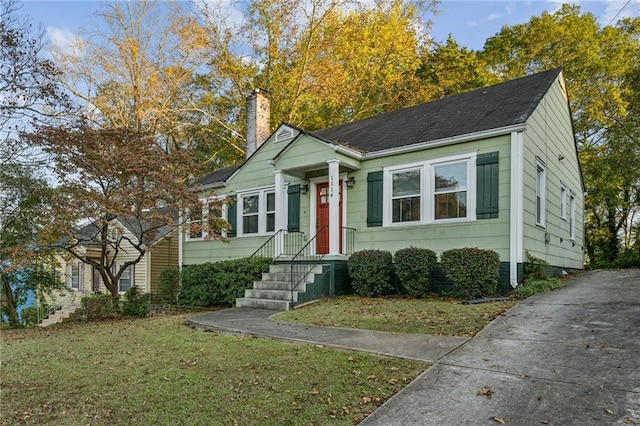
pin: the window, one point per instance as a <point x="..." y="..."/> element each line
<point x="214" y="216"/>
<point x="563" y="201"/>
<point x="126" y="279"/>
<point x="572" y="216"/>
<point x="431" y="191"/>
<point x="258" y="210"/>
<point x="450" y="191"/>
<point x="195" y="224"/>
<point x="541" y="202"/>
<point x="74" y="276"/>
<point x="405" y="195"/>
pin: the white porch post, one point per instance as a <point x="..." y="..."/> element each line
<point x="280" y="211"/>
<point x="334" y="206"/>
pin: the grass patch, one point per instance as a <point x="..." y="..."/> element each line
<point x="157" y="371"/>
<point x="402" y="315"/>
<point x="537" y="285"/>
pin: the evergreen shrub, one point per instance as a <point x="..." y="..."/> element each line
<point x="413" y="265"/>
<point x="99" y="306"/>
<point x="473" y="271"/>
<point x="371" y="272"/>
<point x="135" y="303"/>
<point x="169" y="285"/>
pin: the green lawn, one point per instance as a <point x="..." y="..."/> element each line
<point x="158" y="371"/>
<point x="402" y="315"/>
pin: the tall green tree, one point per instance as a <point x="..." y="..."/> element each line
<point x="600" y="65"/>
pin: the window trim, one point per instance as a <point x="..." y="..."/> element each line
<point x="130" y="269"/>
<point x="262" y="211"/>
<point x="427" y="192"/>
<point x="71" y="267"/>
<point x="541" y="193"/>
<point x="188" y="236"/>
<point x="223" y="212"/>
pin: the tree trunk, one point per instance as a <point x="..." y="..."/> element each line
<point x="10" y="308"/>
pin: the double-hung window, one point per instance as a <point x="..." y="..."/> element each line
<point x="541" y="200"/>
<point x="74" y="275"/>
<point x="126" y="279"/>
<point x="430" y="191"/>
<point x="450" y="190"/>
<point x="572" y="216"/>
<point x="195" y="224"/>
<point x="258" y="212"/>
<point x="406" y="195"/>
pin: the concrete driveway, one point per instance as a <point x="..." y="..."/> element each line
<point x="570" y="357"/>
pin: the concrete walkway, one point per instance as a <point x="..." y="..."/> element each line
<point x="570" y="357"/>
<point x="258" y="322"/>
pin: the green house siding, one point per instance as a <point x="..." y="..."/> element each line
<point x="549" y="138"/>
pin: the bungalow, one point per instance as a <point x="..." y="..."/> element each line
<point x="495" y="168"/>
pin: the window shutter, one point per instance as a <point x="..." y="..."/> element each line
<point x="293" y="208"/>
<point x="487" y="185"/>
<point x="232" y="216"/>
<point x="374" y="198"/>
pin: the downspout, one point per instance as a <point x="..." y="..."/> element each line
<point x="516" y="206"/>
<point x="180" y="242"/>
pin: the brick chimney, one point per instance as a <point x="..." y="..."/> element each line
<point x="258" y="120"/>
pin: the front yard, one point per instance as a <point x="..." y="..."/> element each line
<point x="159" y="371"/>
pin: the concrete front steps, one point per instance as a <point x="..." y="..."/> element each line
<point x="66" y="313"/>
<point x="274" y="290"/>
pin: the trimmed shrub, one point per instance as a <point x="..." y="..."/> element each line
<point x="412" y="268"/>
<point x="169" y="285"/>
<point x="219" y="283"/>
<point x="371" y="272"/>
<point x="473" y="271"/>
<point x="99" y="306"/>
<point x="135" y="303"/>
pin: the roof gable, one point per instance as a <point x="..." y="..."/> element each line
<point x="492" y="107"/>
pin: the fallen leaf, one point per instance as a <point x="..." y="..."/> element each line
<point x="486" y="391"/>
<point x="314" y="392"/>
<point x="366" y="399"/>
<point x="544" y="422"/>
<point x="609" y="412"/>
<point x="498" y="420"/>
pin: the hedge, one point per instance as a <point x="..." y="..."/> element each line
<point x="412" y="268"/>
<point x="219" y="283"/>
<point x="474" y="271"/>
<point x="371" y="272"/>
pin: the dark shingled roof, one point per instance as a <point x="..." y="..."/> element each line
<point x="480" y="110"/>
<point x="218" y="176"/>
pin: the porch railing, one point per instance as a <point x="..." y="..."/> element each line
<point x="304" y="261"/>
<point x="281" y="243"/>
<point x="348" y="240"/>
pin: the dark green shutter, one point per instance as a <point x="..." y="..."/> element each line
<point x="293" y="208"/>
<point x="232" y="216"/>
<point x="374" y="198"/>
<point x="487" y="185"/>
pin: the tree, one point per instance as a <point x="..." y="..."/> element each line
<point x="600" y="65"/>
<point x="108" y="177"/>
<point x="24" y="267"/>
<point x="28" y="86"/>
<point x="132" y="70"/>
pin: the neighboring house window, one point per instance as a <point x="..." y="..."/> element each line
<point x="74" y="276"/>
<point x="563" y="201"/>
<point x="195" y="224"/>
<point x="258" y="210"/>
<point x="126" y="279"/>
<point x="431" y="191"/>
<point x="572" y="216"/>
<point x="405" y="196"/>
<point x="541" y="202"/>
<point x="451" y="191"/>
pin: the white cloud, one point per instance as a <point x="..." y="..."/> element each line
<point x="64" y="41"/>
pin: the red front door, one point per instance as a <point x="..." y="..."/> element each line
<point x="322" y="217"/>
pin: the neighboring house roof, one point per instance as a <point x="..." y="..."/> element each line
<point x="492" y="107"/>
<point x="217" y="177"/>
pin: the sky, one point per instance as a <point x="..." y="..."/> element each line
<point x="470" y="22"/>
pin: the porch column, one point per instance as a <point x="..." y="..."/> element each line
<point x="334" y="206"/>
<point x="280" y="211"/>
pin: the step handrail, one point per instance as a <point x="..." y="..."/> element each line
<point x="294" y="266"/>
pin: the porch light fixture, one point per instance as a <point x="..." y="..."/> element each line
<point x="304" y="189"/>
<point x="350" y="182"/>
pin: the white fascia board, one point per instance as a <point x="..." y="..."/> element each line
<point x="446" y="141"/>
